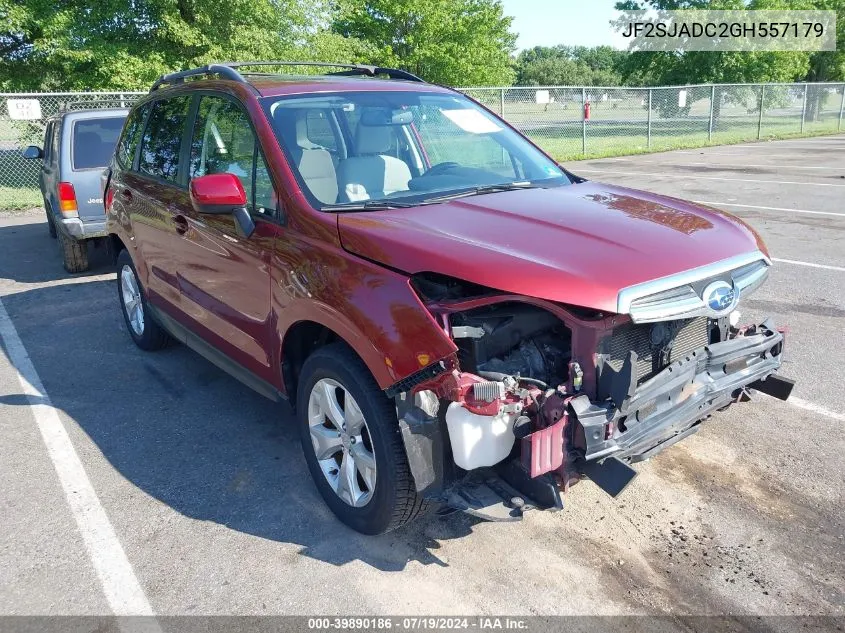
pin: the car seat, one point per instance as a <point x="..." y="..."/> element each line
<point x="372" y="173"/>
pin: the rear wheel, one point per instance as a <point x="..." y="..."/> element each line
<point x="353" y="445"/>
<point x="74" y="254"/>
<point x="147" y="334"/>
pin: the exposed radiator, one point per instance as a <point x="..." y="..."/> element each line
<point x="656" y="344"/>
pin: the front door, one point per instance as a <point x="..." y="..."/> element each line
<point x="224" y="277"/>
<point x="153" y="195"/>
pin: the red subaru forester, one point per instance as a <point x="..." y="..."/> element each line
<point x="457" y="321"/>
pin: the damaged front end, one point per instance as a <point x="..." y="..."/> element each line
<point x="540" y="396"/>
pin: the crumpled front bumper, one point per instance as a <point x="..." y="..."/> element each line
<point x="669" y="406"/>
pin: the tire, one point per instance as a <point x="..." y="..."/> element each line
<point x="74" y="254"/>
<point x="392" y="501"/>
<point x="146" y="333"/>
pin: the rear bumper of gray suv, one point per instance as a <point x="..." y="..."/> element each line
<point x="80" y="229"/>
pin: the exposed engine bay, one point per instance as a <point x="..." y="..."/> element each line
<point x="540" y="396"/>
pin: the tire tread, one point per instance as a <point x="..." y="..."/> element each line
<point x="409" y="505"/>
<point x="74" y="254"/>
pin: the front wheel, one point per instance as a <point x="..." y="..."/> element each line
<point x="147" y="334"/>
<point x="352" y="443"/>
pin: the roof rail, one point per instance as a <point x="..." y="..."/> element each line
<point x="228" y="70"/>
<point x="372" y="71"/>
<point x="224" y="70"/>
<point x="351" y="69"/>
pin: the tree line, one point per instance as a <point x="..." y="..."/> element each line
<point x="127" y="44"/>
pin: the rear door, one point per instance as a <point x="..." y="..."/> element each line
<point x="91" y="142"/>
<point x="224" y="277"/>
<point x="153" y="194"/>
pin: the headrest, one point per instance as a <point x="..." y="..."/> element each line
<point x="373" y="139"/>
<point x="302" y="131"/>
<point x="293" y="127"/>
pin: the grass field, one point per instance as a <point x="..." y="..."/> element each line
<point x="605" y="140"/>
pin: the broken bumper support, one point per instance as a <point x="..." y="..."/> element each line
<point x="661" y="411"/>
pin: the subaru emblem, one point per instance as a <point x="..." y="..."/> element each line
<point x="720" y="297"/>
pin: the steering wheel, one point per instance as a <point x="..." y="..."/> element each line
<point x="439" y="168"/>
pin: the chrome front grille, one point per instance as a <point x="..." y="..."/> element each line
<point x="681" y="296"/>
<point x="656" y="345"/>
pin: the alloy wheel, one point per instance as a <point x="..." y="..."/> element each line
<point x="132" y="304"/>
<point x="342" y="442"/>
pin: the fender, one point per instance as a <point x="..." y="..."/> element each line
<point x="373" y="309"/>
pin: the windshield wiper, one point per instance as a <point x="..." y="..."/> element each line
<point x="478" y="191"/>
<point x="378" y="205"/>
<point x="369" y="205"/>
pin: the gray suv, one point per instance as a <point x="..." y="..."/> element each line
<point x="77" y="147"/>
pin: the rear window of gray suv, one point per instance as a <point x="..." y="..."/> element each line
<point x="94" y="141"/>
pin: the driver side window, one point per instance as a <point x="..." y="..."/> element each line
<point x="223" y="142"/>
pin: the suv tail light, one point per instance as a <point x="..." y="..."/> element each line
<point x="67" y="200"/>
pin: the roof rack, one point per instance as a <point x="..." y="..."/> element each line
<point x="228" y="70"/>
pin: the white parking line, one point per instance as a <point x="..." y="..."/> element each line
<point x="754" y="206"/>
<point x="797" y="263"/>
<point x="734" y="154"/>
<point x="120" y="585"/>
<point x="775" y="145"/>
<point x="719" y="165"/>
<point x="809" y="406"/>
<point x="664" y="175"/>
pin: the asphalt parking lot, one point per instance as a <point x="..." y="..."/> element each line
<point x="201" y="503"/>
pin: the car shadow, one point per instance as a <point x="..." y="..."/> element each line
<point x="192" y="437"/>
<point x="30" y="255"/>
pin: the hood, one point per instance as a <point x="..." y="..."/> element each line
<point x="579" y="244"/>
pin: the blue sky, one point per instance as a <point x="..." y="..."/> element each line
<point x="572" y="22"/>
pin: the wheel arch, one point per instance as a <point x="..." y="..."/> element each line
<point x="301" y="340"/>
<point x="116" y="245"/>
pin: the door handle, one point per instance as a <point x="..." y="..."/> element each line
<point x="181" y="223"/>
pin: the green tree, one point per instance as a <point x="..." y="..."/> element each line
<point x="569" y="65"/>
<point x="830" y="65"/>
<point x="126" y="44"/>
<point x="694" y="67"/>
<point x="702" y="67"/>
<point x="454" y="42"/>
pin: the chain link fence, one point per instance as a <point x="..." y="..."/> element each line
<point x="18" y="176"/>
<point x="571" y="122"/>
<point x="568" y="122"/>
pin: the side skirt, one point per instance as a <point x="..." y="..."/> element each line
<point x="215" y="356"/>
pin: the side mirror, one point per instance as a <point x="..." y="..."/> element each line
<point x="33" y="152"/>
<point x="220" y="194"/>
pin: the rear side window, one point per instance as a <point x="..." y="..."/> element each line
<point x="93" y="142"/>
<point x="162" y="138"/>
<point x="131" y="137"/>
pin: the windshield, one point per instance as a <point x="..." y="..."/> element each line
<point x="357" y="150"/>
<point x="94" y="141"/>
